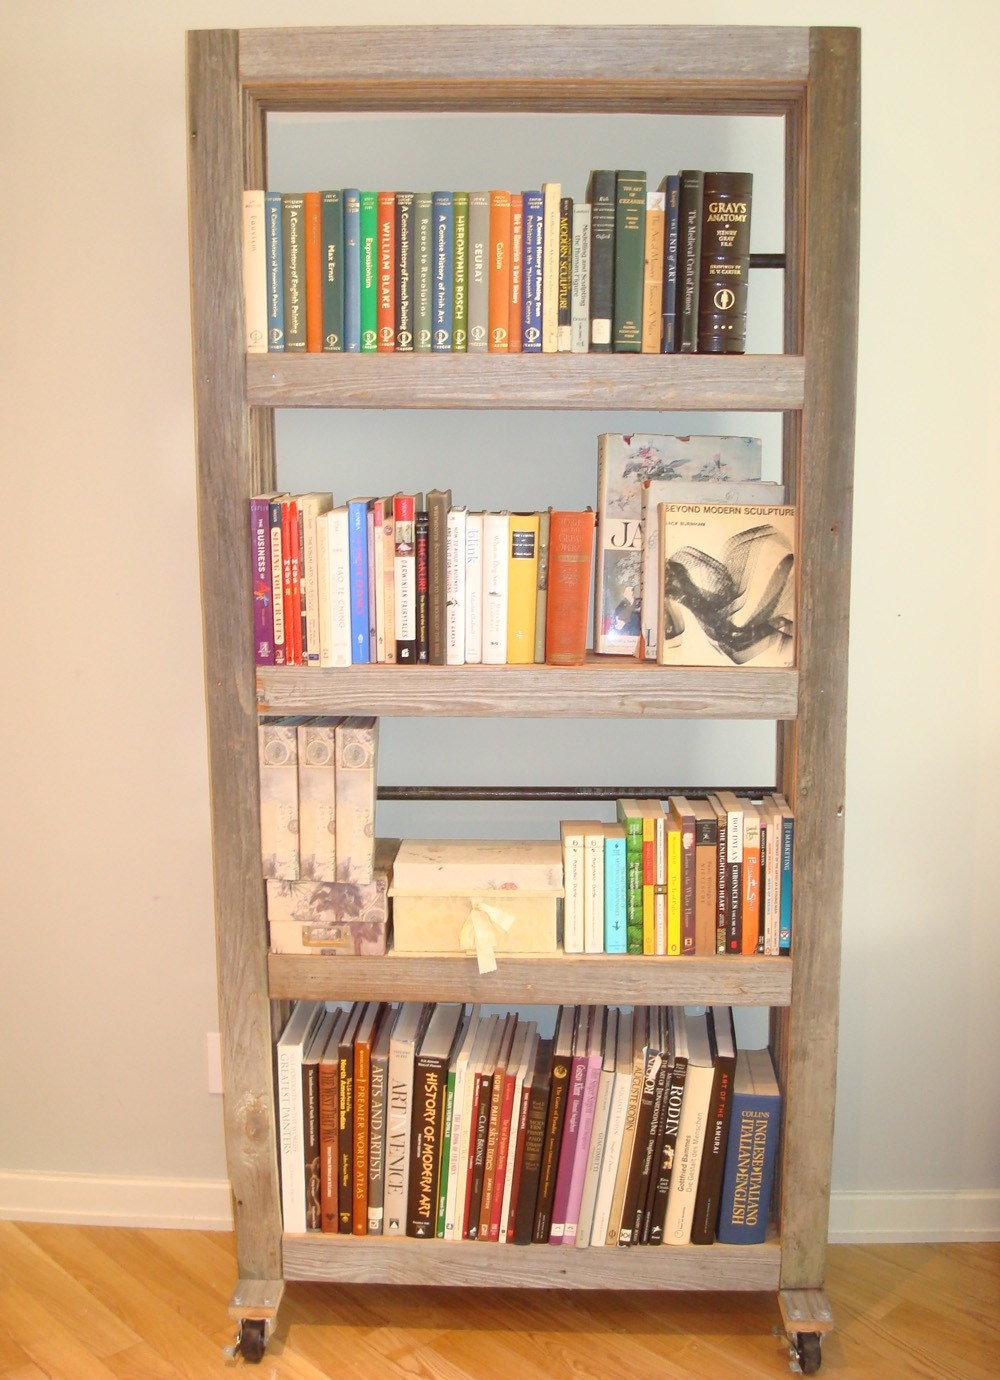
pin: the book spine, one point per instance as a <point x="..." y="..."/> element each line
<point x="630" y="242"/>
<point x="785" y="911"/>
<point x="277" y="583"/>
<point x="580" y="303"/>
<point x="474" y="589"/>
<point x="369" y="272"/>
<point x="275" y="272"/>
<point x="534" y="246"/>
<point x="352" y="270"/>
<point x="750" y="932"/>
<point x="429" y="1080"/>
<point x="404" y="269"/>
<point x="689" y="259"/>
<point x="725" y="262"/>
<point x="438" y="506"/>
<point x="290" y="581"/>
<point x="313" y="216"/>
<point x="333" y="270"/>
<point x="554" y="1124"/>
<point x="423" y="271"/>
<point x="570" y="562"/>
<point x="673" y="1101"/>
<point x="569" y="1145"/>
<point x="455" y="590"/>
<point x="652" y="275"/>
<point x="522" y="588"/>
<point x="749" y="1170"/>
<point x="376" y="1139"/>
<point x="602" y="258"/>
<point x="668" y="333"/>
<point x="359" y="1159"/>
<point x="443" y="226"/>
<point x="564" y="309"/>
<point x="254" y="273"/>
<point x="460" y="286"/>
<point x="675" y="904"/>
<point x="386" y="266"/>
<point x="260" y="565"/>
<point x="571" y="832"/>
<point x="479" y="273"/>
<point x="515" y="306"/>
<point x="593" y="888"/>
<point x="496" y="528"/>
<point x="329" y="1113"/>
<point x="551" y="198"/>
<point x="498" y="294"/>
<point x="357" y="518"/>
<point x="293" y="269"/>
<point x="542" y="585"/>
<point x="615" y="941"/>
<point x="421" y="525"/>
<point x="405" y="580"/>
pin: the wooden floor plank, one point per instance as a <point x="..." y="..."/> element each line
<point x="112" y="1304"/>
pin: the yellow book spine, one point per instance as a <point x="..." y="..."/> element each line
<point x="522" y="587"/>
<point x="673" y="888"/>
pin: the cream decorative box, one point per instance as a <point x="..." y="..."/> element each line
<point x="333" y="917"/>
<point x="481" y="896"/>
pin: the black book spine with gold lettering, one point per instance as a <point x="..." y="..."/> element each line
<point x="725" y="263"/>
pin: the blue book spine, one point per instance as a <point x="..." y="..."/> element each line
<point x="357" y="547"/>
<point x="534" y="243"/>
<point x="275" y="282"/>
<point x="352" y="270"/>
<point x="615" y="927"/>
<point x="443" y="230"/>
<point x="785" y="914"/>
<point x="671" y="227"/>
<point x="748" y="1176"/>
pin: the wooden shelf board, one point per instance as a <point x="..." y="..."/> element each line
<point x="760" y="383"/>
<point x="605" y="687"/>
<point x="398" y="1260"/>
<point x="604" y="978"/>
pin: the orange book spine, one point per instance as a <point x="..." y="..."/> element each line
<point x="314" y="272"/>
<point x="567" y="603"/>
<point x="750" y="922"/>
<point x="515" y="320"/>
<point x="385" y="315"/>
<point x="499" y="275"/>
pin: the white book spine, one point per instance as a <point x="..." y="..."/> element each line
<point x="455" y="591"/>
<point x="687" y="1156"/>
<point x="334" y="589"/>
<point x="551" y="193"/>
<point x="614" y="1140"/>
<point x="496" y="527"/>
<point x="397" y="1136"/>
<point x="474" y="589"/>
<point x="254" y="273"/>
<point x="580" y="326"/>
<point x="593" y="892"/>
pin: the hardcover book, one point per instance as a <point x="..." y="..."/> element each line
<point x="479" y="273"/>
<point x="293" y="269"/>
<point x="474" y="588"/>
<point x="599" y="1130"/>
<point x="555" y="1117"/>
<point x="564" y="310"/>
<point x="580" y="303"/>
<point x="522" y="588"/>
<point x="498" y="337"/>
<point x="671" y="193"/>
<point x="386" y="279"/>
<point x="534" y="247"/>
<point x="313" y="208"/>
<point x="292" y="1042"/>
<point x="624" y="462"/>
<point x="652" y="274"/>
<point x="254" y="272"/>
<point x="496" y="536"/>
<point x="405" y="579"/>
<point x="694" y="1044"/>
<point x="455" y="585"/>
<point x="364" y="1041"/>
<point x="521" y="1061"/>
<point x="551" y="197"/>
<point x="443" y="226"/>
<point x="403" y="260"/>
<point x="345" y="1119"/>
<point x="751" y="1150"/>
<point x="410" y="1022"/>
<point x="275" y="272"/>
<point x="260" y="566"/>
<point x="542" y="587"/>
<point x="570" y="565"/>
<point x="571" y="833"/>
<point x="530" y="1142"/>
<point x="601" y="195"/>
<point x="727" y="585"/>
<point x="329" y="1124"/>
<point x="352" y="270"/>
<point x="460" y="282"/>
<point x="438" y="507"/>
<point x="515" y="305"/>
<point x="379" y="1082"/>
<point x="333" y="582"/>
<point x="615" y="1132"/>
<point x="725" y="262"/>
<point x="689" y="258"/>
<point x="706" y="1206"/>
<point x="369" y="272"/>
<point x="357" y="538"/>
<point x="423" y="271"/>
<point x="630" y="244"/>
<point x="331" y="220"/>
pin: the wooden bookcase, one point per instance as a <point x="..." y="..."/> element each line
<point x="810" y="78"/>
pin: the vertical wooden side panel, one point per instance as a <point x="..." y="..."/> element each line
<point x="228" y="461"/>
<point x="813" y="755"/>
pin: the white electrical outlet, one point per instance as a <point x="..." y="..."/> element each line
<point x="213" y="1053"/>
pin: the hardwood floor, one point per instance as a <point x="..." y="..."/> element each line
<point x="88" y="1303"/>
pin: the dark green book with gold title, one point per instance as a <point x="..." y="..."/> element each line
<point x="630" y="248"/>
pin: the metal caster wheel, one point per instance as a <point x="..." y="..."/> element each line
<point x="807" y="1348"/>
<point x="252" y="1340"/>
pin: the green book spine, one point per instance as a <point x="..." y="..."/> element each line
<point x="630" y="248"/>
<point x="442" y="1198"/>
<point x="369" y="272"/>
<point x="333" y="270"/>
<point x="423" y="271"/>
<point x="602" y="258"/>
<point x="404" y="272"/>
<point x="689" y="259"/>
<point x="293" y="241"/>
<point x="460" y="299"/>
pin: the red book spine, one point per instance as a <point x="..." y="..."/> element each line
<point x="314" y="272"/>
<point x="386" y="246"/>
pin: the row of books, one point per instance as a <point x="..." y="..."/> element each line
<point x="407" y="580"/>
<point x="695" y="552"/>
<point x="627" y="269"/>
<point x="625" y="1127"/>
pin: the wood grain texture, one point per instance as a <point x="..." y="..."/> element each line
<point x="225" y="481"/>
<point x="813" y="755"/>
<point x="606" y="687"/>
<point x="562" y="978"/>
<point x="759" y="383"/>
<point x="153" y="1305"/>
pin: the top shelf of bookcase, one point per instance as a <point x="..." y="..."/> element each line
<point x="743" y="383"/>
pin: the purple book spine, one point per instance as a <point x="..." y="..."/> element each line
<point x="260" y="565"/>
<point x="568" y="1148"/>
<point x="592" y="1078"/>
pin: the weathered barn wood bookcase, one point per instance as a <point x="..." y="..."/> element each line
<point x="810" y="77"/>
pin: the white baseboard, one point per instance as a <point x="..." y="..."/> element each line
<point x="962" y="1215"/>
<point x="99" y="1200"/>
<point x="204" y="1205"/>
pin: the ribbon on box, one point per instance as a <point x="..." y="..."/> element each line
<point x="480" y="930"/>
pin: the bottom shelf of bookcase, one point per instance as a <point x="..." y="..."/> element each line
<point x="338" y="1259"/>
